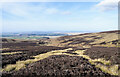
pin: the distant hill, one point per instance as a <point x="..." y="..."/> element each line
<point x="107" y="38"/>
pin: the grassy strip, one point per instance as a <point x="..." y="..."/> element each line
<point x="22" y="64"/>
<point x="5" y="49"/>
<point x="111" y="69"/>
<point x="108" y="45"/>
<point x="10" y="53"/>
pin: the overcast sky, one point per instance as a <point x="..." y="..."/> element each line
<point x="60" y="16"/>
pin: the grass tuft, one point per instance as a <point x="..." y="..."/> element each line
<point x="113" y="70"/>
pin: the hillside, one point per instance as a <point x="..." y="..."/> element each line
<point x="108" y="38"/>
<point x="89" y="54"/>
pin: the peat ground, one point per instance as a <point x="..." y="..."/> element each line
<point x="60" y="65"/>
<point x="27" y="52"/>
<point x="64" y="65"/>
<point x="108" y="53"/>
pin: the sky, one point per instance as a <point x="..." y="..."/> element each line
<point x="59" y="16"/>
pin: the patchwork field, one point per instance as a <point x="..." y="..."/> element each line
<point x="90" y="54"/>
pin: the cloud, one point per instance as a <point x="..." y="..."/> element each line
<point x="27" y="9"/>
<point x="56" y="11"/>
<point x="51" y="10"/>
<point x="52" y="16"/>
<point x="15" y="9"/>
<point x="66" y="12"/>
<point x="106" y="5"/>
<point x="49" y="0"/>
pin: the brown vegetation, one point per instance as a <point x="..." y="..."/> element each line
<point x="89" y="54"/>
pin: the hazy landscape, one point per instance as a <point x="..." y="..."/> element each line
<point x="32" y="35"/>
<point x="66" y="39"/>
